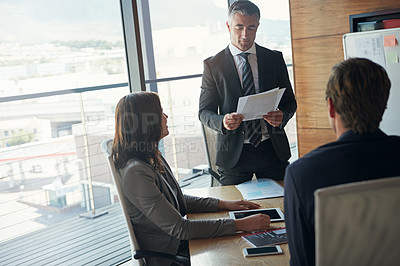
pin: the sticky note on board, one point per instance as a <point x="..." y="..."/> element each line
<point x="390" y="41"/>
<point x="392" y="57"/>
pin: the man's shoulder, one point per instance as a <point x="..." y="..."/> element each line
<point x="315" y="156"/>
<point x="391" y="144"/>
<point x="217" y="57"/>
<point x="264" y="50"/>
<point x="394" y="139"/>
<point x="308" y="168"/>
<point x="334" y="157"/>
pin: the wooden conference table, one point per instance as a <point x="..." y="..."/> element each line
<point x="228" y="250"/>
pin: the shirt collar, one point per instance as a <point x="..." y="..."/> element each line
<point x="350" y="135"/>
<point x="235" y="51"/>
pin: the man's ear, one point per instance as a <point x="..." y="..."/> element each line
<point x="331" y="108"/>
<point x="229" y="28"/>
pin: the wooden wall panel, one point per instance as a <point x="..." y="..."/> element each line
<point x="313" y="18"/>
<point x="317" y="27"/>
<point x="308" y="137"/>
<point x="313" y="63"/>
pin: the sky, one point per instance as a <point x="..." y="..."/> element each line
<point x="30" y="21"/>
<point x="272" y="9"/>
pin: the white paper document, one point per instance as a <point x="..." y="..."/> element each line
<point x="372" y="48"/>
<point x="256" y="105"/>
<point x="261" y="188"/>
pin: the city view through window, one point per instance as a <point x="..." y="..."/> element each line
<point x="45" y="165"/>
<point x="62" y="72"/>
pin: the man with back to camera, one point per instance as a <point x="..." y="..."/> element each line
<point x="357" y="93"/>
<point x="260" y="146"/>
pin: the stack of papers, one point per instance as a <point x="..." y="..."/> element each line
<point x="256" y="105"/>
<point x="260" y="189"/>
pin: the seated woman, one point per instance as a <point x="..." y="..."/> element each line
<point x="155" y="202"/>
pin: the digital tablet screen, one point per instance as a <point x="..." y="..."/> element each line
<point x="272" y="213"/>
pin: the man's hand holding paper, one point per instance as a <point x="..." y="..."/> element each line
<point x="262" y="105"/>
<point x="232" y="120"/>
<point x="274" y="118"/>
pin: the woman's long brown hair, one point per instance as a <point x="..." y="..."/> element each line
<point x="138" y="130"/>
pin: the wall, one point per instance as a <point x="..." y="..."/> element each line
<point x="317" y="27"/>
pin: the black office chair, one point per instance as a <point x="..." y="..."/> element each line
<point x="210" y="140"/>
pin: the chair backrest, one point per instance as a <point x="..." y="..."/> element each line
<point x="106" y="148"/>
<point x="210" y="140"/>
<point x="358" y="223"/>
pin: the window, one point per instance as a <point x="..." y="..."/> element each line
<point x="180" y="44"/>
<point x="62" y="71"/>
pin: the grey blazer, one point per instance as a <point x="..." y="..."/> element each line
<point x="156" y="211"/>
<point x="220" y="92"/>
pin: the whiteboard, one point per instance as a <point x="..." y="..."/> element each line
<point x="370" y="45"/>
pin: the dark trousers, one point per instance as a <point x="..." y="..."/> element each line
<point x="261" y="161"/>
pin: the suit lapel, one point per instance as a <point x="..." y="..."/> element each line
<point x="266" y="68"/>
<point x="261" y="68"/>
<point x="181" y="204"/>
<point x="232" y="71"/>
<point x="263" y="65"/>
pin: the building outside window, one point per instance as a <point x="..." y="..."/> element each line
<point x="48" y="51"/>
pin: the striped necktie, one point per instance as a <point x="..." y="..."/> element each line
<point x="253" y="127"/>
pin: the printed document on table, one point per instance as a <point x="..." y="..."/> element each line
<point x="266" y="238"/>
<point x="256" y="105"/>
<point x="261" y="188"/>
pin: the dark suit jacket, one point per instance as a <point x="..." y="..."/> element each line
<point x="353" y="157"/>
<point x="220" y="91"/>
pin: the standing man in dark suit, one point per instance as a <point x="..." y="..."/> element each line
<point x="357" y="94"/>
<point x="223" y="84"/>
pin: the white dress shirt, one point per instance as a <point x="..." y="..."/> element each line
<point x="239" y="62"/>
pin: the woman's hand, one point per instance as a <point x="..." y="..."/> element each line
<point x="256" y="222"/>
<point x="237" y="205"/>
